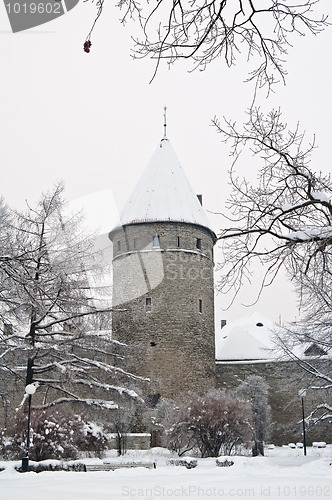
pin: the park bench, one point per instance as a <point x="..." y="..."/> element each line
<point x="118" y="465"/>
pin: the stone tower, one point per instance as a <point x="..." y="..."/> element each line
<point x="163" y="280"/>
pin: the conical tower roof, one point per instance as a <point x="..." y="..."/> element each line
<point x="164" y="193"/>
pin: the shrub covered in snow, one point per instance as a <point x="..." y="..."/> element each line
<point x="189" y="463"/>
<point x="57" y="434"/>
<point x="53" y="465"/>
<point x="224" y="463"/>
<point x="213" y="423"/>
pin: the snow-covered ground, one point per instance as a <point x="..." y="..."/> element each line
<point x="282" y="473"/>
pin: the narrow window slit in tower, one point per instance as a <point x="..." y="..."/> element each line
<point x="135" y="243"/>
<point x="148" y="304"/>
<point x="156" y="242"/>
<point x="178" y="241"/>
<point x="119" y="246"/>
<point x="200" y="306"/>
<point x="199" y="243"/>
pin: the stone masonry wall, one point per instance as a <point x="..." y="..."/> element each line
<point x="285" y="379"/>
<point x="168" y="296"/>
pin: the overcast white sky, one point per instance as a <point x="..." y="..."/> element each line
<point x="93" y="120"/>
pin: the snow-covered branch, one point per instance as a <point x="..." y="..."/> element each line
<point x="99" y="403"/>
<point x="108" y="368"/>
<point x="107" y="387"/>
<point x="321" y="412"/>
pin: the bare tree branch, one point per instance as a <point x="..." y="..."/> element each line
<point x="203" y="30"/>
<point x="284" y="220"/>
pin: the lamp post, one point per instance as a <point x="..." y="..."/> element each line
<point x="30" y="389"/>
<point x="302" y="394"/>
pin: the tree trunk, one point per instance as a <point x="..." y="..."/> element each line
<point x="258" y="449"/>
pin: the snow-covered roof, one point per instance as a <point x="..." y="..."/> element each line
<point x="256" y="338"/>
<point x="249" y="338"/>
<point x="164" y="193"/>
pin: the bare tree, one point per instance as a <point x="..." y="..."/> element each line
<point x="282" y="221"/>
<point x="255" y="389"/>
<point x="48" y="301"/>
<point x="213" y="422"/>
<point x="158" y="419"/>
<point x="125" y="420"/>
<point x="5" y="229"/>
<point x="5" y="218"/>
<point x="203" y="30"/>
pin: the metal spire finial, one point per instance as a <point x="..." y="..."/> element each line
<point x="165" y="122"/>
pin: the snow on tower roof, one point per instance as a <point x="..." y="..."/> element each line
<point x="164" y="193"/>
